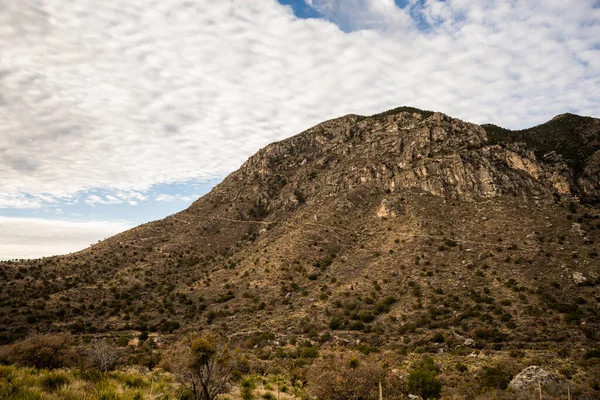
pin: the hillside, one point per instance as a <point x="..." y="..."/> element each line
<point x="407" y="230"/>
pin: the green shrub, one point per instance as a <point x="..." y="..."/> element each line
<point x="366" y="317"/>
<point x="424" y="383"/>
<point x="593" y="353"/>
<point x="335" y="324"/>
<point x="366" y="349"/>
<point x="53" y="381"/>
<point x="495" y="378"/>
<point x="460" y="367"/>
<point x="438" y="338"/>
<point x="247" y="390"/>
<point x="309" y="352"/>
<point x="134" y="382"/>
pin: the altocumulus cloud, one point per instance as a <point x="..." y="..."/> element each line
<point x="126" y="94"/>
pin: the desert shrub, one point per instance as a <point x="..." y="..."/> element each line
<point x="309" y="352"/>
<point x="335" y="323"/>
<point x="53" y="381"/>
<point x="460" y="367"/>
<point x="134" y="382"/>
<point x="495" y="377"/>
<point x="143" y="336"/>
<point x="366" y="317"/>
<point x="438" y="337"/>
<point x="356" y="326"/>
<point x="40" y="351"/>
<point x="493" y="335"/>
<point x="423" y="381"/>
<point x="247" y="388"/>
<point x="203" y="365"/>
<point x="593" y="353"/>
<point x="102" y="356"/>
<point x="366" y="349"/>
<point x="384" y="305"/>
<point x="341" y="377"/>
<point x="123" y="341"/>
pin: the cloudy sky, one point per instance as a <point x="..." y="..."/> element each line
<point x="117" y="112"/>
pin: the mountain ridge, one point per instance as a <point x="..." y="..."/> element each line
<point x="375" y="229"/>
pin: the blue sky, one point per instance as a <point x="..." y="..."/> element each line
<point x="306" y="10"/>
<point x="127" y="111"/>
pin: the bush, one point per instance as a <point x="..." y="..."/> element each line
<point x="309" y="352"/>
<point x="40" y="351"/>
<point x="53" y="381"/>
<point x="247" y="389"/>
<point x="102" y="356"/>
<point x="335" y="324"/>
<point x="495" y="378"/>
<point x="203" y="365"/>
<point x="594" y="353"/>
<point x="340" y="377"/>
<point x="422" y="380"/>
<point x="438" y="337"/>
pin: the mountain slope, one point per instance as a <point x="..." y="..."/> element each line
<point x="383" y="230"/>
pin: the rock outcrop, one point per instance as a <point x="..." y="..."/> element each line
<point x="408" y="150"/>
<point x="532" y="377"/>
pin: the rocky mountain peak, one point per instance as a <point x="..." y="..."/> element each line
<point x="395" y="151"/>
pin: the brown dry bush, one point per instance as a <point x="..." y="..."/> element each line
<point x="102" y="356"/>
<point x="40" y="351"/>
<point x="345" y="377"/>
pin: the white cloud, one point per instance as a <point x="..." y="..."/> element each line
<point x="175" y="197"/>
<point x="124" y="94"/>
<point x="93" y="199"/>
<point x="118" y="197"/>
<point x="19" y="200"/>
<point x="35" y="237"/>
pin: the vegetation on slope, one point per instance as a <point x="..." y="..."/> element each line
<point x="575" y="138"/>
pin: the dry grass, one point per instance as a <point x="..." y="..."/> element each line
<point x="20" y="383"/>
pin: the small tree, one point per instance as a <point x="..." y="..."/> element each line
<point x="203" y="365"/>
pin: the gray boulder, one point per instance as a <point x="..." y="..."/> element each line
<point x="531" y="377"/>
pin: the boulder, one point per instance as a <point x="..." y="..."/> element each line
<point x="579" y="278"/>
<point x="531" y="377"/>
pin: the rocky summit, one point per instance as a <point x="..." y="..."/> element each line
<point x="408" y="231"/>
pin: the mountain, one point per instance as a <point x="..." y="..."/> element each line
<point x="406" y="230"/>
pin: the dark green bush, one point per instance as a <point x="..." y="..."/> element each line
<point x="335" y="323"/>
<point x="495" y="378"/>
<point x="422" y="381"/>
<point x="593" y="353"/>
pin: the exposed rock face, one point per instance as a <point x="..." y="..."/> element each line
<point x="531" y="377"/>
<point x="590" y="179"/>
<point x="437" y="154"/>
<point x="386" y="210"/>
